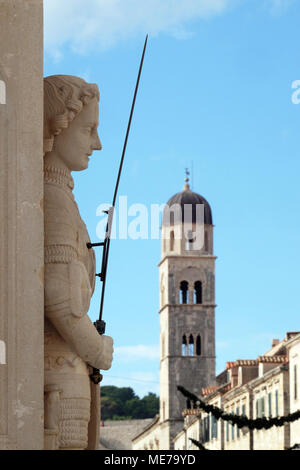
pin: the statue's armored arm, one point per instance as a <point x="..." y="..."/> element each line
<point x="67" y="296"/>
<point x="69" y="279"/>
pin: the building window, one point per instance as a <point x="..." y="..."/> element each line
<point x="262" y="400"/>
<point x="191" y="345"/>
<point x="276" y="403"/>
<point x="198" y="345"/>
<point x="214" y="427"/>
<point x="295" y="382"/>
<point x="270" y="404"/>
<point x="260" y="407"/>
<point x="172" y="240"/>
<point x="206" y="429"/>
<point x="232" y="429"/>
<point x="243" y="410"/>
<point x="227" y="431"/>
<point x="198" y="292"/>
<point x="184" y="292"/>
<point x="184" y="346"/>
<point x="202" y="430"/>
<point x="237" y="429"/>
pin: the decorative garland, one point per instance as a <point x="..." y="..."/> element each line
<point x="198" y="444"/>
<point x="295" y="447"/>
<point x="201" y="446"/>
<point x="240" y="421"/>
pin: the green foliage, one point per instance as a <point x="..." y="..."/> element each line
<point x="151" y="404"/>
<point x="109" y="408"/>
<point x="122" y="403"/>
<point x="122" y="394"/>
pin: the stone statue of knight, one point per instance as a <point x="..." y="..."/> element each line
<point x="72" y="343"/>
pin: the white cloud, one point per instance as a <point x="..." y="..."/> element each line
<point x="85" y="25"/>
<point x="136" y="353"/>
<point x="101" y="23"/>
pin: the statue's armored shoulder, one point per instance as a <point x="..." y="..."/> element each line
<point x="60" y="221"/>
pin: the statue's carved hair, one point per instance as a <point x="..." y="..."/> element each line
<point x="64" y="98"/>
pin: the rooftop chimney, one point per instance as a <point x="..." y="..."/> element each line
<point x="275" y="342"/>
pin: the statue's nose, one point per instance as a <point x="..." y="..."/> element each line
<point x="98" y="145"/>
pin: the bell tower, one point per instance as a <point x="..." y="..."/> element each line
<point x="187" y="306"/>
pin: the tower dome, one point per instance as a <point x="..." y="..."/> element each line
<point x="186" y="196"/>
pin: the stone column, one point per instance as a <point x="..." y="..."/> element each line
<point x="21" y="225"/>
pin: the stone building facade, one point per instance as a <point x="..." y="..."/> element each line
<point x="187" y="312"/>
<point x="293" y="349"/>
<point x="267" y="386"/>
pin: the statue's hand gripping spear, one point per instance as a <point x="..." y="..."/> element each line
<point x="96" y="377"/>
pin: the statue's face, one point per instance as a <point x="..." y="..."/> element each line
<point x="76" y="143"/>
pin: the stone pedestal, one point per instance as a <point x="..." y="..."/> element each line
<point x="21" y="224"/>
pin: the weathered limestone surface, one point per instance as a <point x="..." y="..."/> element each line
<point x="21" y="224"/>
<point x="72" y="343"/>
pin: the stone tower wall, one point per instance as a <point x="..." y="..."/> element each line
<point x="177" y="319"/>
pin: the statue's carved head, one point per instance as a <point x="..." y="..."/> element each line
<point x="71" y="114"/>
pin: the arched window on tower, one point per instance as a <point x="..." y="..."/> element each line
<point x="184" y="346"/>
<point x="190" y="239"/>
<point x="172" y="217"/>
<point x="198" y="292"/>
<point x="191" y="345"/>
<point x="184" y="292"/>
<point x="198" y="345"/>
<point x="172" y="240"/>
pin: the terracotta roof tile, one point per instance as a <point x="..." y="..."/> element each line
<point x="246" y="362"/>
<point x="273" y="359"/>
<point x="230" y="365"/>
<point x="226" y="388"/>
<point x="191" y="412"/>
<point x="209" y="390"/>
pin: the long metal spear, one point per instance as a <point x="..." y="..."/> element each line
<point x="100" y="324"/>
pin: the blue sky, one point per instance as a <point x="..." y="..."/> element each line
<point x="216" y="90"/>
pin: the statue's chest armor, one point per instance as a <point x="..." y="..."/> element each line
<point x="85" y="255"/>
<point x="65" y="227"/>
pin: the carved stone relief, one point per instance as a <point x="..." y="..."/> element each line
<point x="72" y="344"/>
